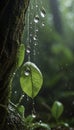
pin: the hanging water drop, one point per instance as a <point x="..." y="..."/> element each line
<point x="27" y="98"/>
<point x="36" y="30"/>
<point x="15" y="92"/>
<point x="27" y="71"/>
<point x="14" y="73"/>
<point x="35" y="37"/>
<point x="36" y="6"/>
<point x="33" y="115"/>
<point x="34" y="52"/>
<point x="43" y="24"/>
<point x="33" y="110"/>
<point x="30" y="34"/>
<point x="36" y="19"/>
<point x="40" y="121"/>
<point x="35" y="43"/>
<point x="43" y="12"/>
<point x="28" y="50"/>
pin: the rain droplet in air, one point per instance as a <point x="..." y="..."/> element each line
<point x="28" y="50"/>
<point x="33" y="115"/>
<point x="30" y="34"/>
<point x="36" y="19"/>
<point x="43" y="12"/>
<point x="40" y="121"/>
<point x="27" y="98"/>
<point x="36" y="30"/>
<point x="15" y="92"/>
<point x="35" y="43"/>
<point x="27" y="71"/>
<point x="36" y="6"/>
<point x="35" y="37"/>
<point x="43" y="24"/>
<point x="14" y="73"/>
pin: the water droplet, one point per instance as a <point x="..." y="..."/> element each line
<point x="43" y="24"/>
<point x="33" y="109"/>
<point x="36" y="6"/>
<point x="30" y="34"/>
<point x="36" y="30"/>
<point x="40" y="121"/>
<point x="30" y="23"/>
<point x="35" y="43"/>
<point x="27" y="98"/>
<point x="15" y="92"/>
<point x="36" y="19"/>
<point x="27" y="71"/>
<point x="28" y="50"/>
<point x="43" y="12"/>
<point x="35" y="37"/>
<point x="14" y="74"/>
<point x="22" y="95"/>
<point x="33" y="115"/>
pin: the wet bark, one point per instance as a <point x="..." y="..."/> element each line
<point x="12" y="13"/>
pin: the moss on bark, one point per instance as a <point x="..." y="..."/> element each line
<point x="12" y="13"/>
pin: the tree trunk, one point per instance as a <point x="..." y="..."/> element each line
<point x="12" y="14"/>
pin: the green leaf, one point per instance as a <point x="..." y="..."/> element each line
<point x="57" y="109"/>
<point x="21" y="110"/>
<point x="29" y="119"/>
<point x="31" y="79"/>
<point x="20" y="55"/>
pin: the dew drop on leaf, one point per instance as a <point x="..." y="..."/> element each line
<point x="27" y="71"/>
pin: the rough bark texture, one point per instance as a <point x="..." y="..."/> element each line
<point x="12" y="14"/>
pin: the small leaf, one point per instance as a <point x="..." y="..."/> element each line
<point x="31" y="79"/>
<point x="57" y="109"/>
<point x="21" y="110"/>
<point x="20" y="55"/>
<point x="29" y="119"/>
